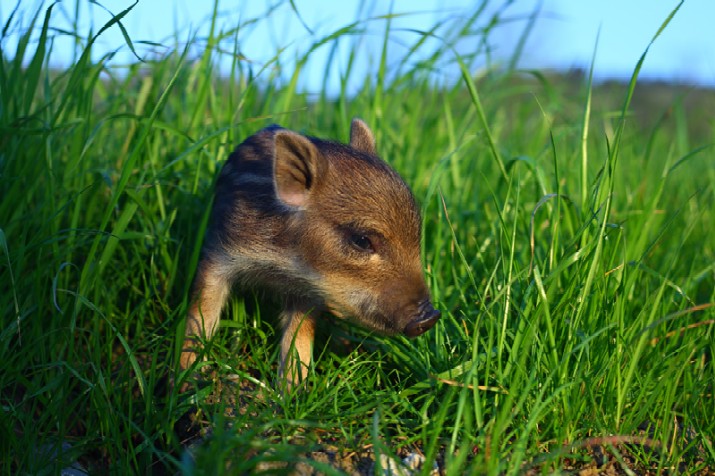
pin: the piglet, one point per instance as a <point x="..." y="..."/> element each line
<point x="327" y="227"/>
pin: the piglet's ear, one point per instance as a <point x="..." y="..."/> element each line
<point x="361" y="137"/>
<point x="296" y="167"/>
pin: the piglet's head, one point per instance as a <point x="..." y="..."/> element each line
<point x="354" y="231"/>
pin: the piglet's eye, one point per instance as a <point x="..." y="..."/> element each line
<point x="361" y="242"/>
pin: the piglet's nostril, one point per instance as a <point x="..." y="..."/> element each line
<point x="426" y="318"/>
<point x="425" y="307"/>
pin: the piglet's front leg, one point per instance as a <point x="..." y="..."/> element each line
<point x="296" y="343"/>
<point x="211" y="289"/>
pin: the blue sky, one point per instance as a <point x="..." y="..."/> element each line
<point x="564" y="36"/>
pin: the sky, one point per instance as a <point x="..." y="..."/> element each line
<point x="566" y="33"/>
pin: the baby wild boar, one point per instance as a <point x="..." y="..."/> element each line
<point x="326" y="226"/>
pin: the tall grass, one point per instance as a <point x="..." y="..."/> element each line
<point x="567" y="240"/>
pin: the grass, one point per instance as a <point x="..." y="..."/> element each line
<point x="567" y="240"/>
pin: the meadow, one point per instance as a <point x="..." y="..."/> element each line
<point x="568" y="242"/>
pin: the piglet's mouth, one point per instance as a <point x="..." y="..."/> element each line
<point x="425" y="320"/>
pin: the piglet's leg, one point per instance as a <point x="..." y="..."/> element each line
<point x="211" y="289"/>
<point x="296" y="344"/>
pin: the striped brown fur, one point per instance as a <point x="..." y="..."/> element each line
<point x="328" y="227"/>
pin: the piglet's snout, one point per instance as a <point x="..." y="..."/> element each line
<point x="427" y="317"/>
